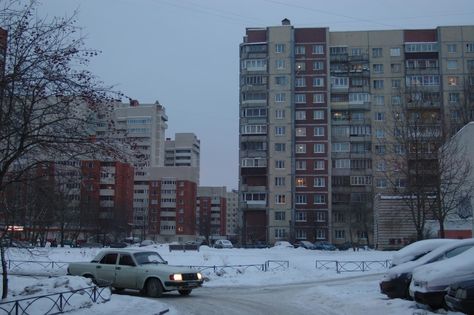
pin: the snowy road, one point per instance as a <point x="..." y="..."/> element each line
<point x="323" y="297"/>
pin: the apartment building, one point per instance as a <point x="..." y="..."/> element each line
<point x="316" y="124"/>
<point x="234" y="217"/>
<point x="211" y="212"/>
<point x="184" y="150"/>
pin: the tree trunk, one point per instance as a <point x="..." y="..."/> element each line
<point x="4" y="273"/>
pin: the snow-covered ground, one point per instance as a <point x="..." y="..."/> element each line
<point x="302" y="269"/>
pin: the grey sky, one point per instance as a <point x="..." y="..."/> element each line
<point x="185" y="53"/>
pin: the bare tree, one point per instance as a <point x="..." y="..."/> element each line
<point x="49" y="102"/>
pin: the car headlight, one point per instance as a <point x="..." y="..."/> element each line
<point x="461" y="293"/>
<point x="199" y="275"/>
<point x="421" y="284"/>
<point x="176" y="277"/>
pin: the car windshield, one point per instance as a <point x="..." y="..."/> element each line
<point x="143" y="258"/>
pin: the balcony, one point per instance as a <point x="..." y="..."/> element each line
<point x="412" y="71"/>
<point x="246" y="205"/>
<point x="360" y="106"/>
<point x="359" y="58"/>
<point x="253" y="88"/>
<point x="339" y="58"/>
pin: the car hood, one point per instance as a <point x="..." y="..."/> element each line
<point x="407" y="267"/>
<point x="410" y="252"/>
<point x="169" y="268"/>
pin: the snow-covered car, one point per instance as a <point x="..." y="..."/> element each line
<point x="417" y="249"/>
<point x="431" y="282"/>
<point x="304" y="244"/>
<point x="223" y="244"/>
<point x="137" y="269"/>
<point x="147" y="243"/>
<point x="283" y="244"/>
<point x="324" y="246"/>
<point x="460" y="296"/>
<point x="396" y="281"/>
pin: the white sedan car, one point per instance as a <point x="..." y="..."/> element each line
<point x="430" y="282"/>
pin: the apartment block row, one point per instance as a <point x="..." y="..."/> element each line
<point x="316" y="112"/>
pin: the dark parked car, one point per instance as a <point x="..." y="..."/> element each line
<point x="324" y="246"/>
<point x="460" y="297"/>
<point x="304" y="244"/>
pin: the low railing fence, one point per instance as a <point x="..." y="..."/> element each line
<point x="56" y="303"/>
<point x="352" y="265"/>
<point x="269" y="265"/>
<point x="14" y="265"/>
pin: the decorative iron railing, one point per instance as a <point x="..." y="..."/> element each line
<point x="269" y="265"/>
<point x="352" y="265"/>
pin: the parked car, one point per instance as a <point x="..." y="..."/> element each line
<point x="417" y="249"/>
<point x="430" y="283"/>
<point x="137" y="269"/>
<point x="147" y="243"/>
<point x="324" y="246"/>
<point x="223" y="244"/>
<point x="396" y="281"/>
<point x="460" y="296"/>
<point x="304" y="244"/>
<point x="283" y="244"/>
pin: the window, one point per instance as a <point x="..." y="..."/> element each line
<point x="279" y="164"/>
<point x="376" y="52"/>
<point x="342" y="163"/>
<point x="396" y="100"/>
<point x="396" y="83"/>
<point x="452" y="64"/>
<point x="453" y="97"/>
<point x="300" y="164"/>
<point x="280" y="64"/>
<point x="400" y="183"/>
<point x="319" y="199"/>
<point x="280" y="147"/>
<point x="396" y="67"/>
<point x="300" y="182"/>
<point x="279" y="48"/>
<point x="470" y="47"/>
<point x="300" y="216"/>
<point x="254" y="162"/>
<point x="356" y="51"/>
<point x="339" y="82"/>
<point x="301" y="148"/>
<point x="126" y="260"/>
<point x="361" y="180"/>
<point x="338" y="217"/>
<point x="319" y="165"/>
<point x="394" y="52"/>
<point x="318" y="81"/>
<point x="377" y="67"/>
<point x="279" y="131"/>
<point x="319" y="148"/>
<point x="381" y="166"/>
<point x="379" y="100"/>
<point x="300" y="82"/>
<point x="279" y="114"/>
<point x="280" y="233"/>
<point x="340" y="147"/>
<point x="300" y="132"/>
<point x="318" y="49"/>
<point x="422" y="80"/>
<point x="340" y="234"/>
<point x="379" y="133"/>
<point x="279" y="215"/>
<point x="253" y="112"/>
<point x="280" y="97"/>
<point x="109" y="259"/>
<point x="254" y="64"/>
<point x="320" y="234"/>
<point x="301" y="199"/>
<point x="301" y="234"/>
<point x="381" y="183"/>
<point x="280" y="199"/>
<point x="320" y="216"/>
<point x="253" y="129"/>
<point x="380" y="149"/>
<point x="318" y="65"/>
<point x="359" y="98"/>
<point x="421" y="47"/>
<point x="281" y="80"/>
<point x="318" y="114"/>
<point x="379" y="116"/>
<point x="300" y="50"/>
<point x="319" y="182"/>
<point x="300" y="115"/>
<point x="318" y="131"/>
<point x="318" y="98"/>
<point x="453" y="81"/>
<point x="378" y="84"/>
<point x="300" y="98"/>
<point x="451" y="48"/>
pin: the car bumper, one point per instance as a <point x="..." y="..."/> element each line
<point x="395" y="288"/>
<point x="183" y="284"/>
<point x="460" y="305"/>
<point x="434" y="299"/>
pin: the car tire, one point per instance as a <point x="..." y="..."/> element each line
<point x="153" y="288"/>
<point x="185" y="292"/>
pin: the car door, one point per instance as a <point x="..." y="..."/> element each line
<point x="105" y="269"/>
<point x="126" y="272"/>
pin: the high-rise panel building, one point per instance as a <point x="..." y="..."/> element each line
<point x="316" y="125"/>
<point x="184" y="150"/>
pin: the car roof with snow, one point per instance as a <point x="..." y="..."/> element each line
<point x="410" y="265"/>
<point x="448" y="269"/>
<point x="416" y="249"/>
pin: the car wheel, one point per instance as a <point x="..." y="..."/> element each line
<point x="154" y="288"/>
<point x="185" y="292"/>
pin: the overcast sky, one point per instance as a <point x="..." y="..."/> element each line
<point x="185" y="53"/>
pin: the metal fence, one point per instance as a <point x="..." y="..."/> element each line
<point x="352" y="265"/>
<point x="56" y="303"/>
<point x="269" y="265"/>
